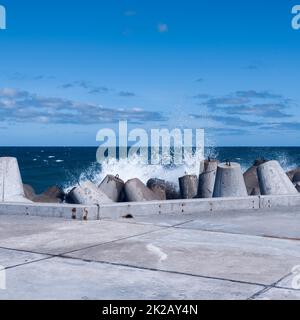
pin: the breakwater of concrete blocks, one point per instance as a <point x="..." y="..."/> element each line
<point x="219" y="187"/>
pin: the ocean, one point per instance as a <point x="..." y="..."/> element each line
<point x="43" y="167"/>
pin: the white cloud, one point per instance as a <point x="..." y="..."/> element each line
<point x="23" y="106"/>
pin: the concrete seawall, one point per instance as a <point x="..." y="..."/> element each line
<point x="179" y="207"/>
<point x="77" y="212"/>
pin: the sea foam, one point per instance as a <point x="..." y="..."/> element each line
<point x="135" y="167"/>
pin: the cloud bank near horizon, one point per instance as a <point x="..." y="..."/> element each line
<point x="17" y="106"/>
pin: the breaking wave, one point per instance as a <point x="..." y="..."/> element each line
<point x="135" y="167"/>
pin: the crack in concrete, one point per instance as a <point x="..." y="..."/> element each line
<point x="269" y="287"/>
<point x="27" y="262"/>
<point x="239" y="233"/>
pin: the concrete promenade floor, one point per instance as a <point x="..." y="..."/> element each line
<point x="238" y="255"/>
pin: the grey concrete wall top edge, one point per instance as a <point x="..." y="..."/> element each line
<point x="182" y="201"/>
<point x="164" y="202"/>
<point x="46" y="205"/>
<point x="285" y="196"/>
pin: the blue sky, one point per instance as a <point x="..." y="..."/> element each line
<point x="70" y="69"/>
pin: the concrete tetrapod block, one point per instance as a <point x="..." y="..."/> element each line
<point x="292" y="173"/>
<point x="11" y="186"/>
<point x="158" y="186"/>
<point x="188" y="186"/>
<point x="297" y="186"/>
<point x="296" y="181"/>
<point x="207" y="178"/>
<point x="251" y="179"/>
<point x="88" y="194"/>
<point x="113" y="187"/>
<point x="52" y="195"/>
<point x="136" y="191"/>
<point x="229" y="181"/>
<point x="172" y="191"/>
<point x="273" y="180"/>
<point x="296" y="177"/>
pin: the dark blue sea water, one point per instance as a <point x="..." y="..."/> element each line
<point x="43" y="167"/>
